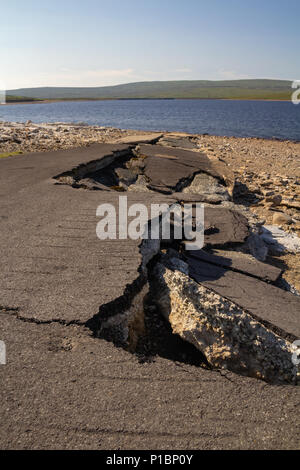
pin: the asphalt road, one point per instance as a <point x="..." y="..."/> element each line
<point x="63" y="388"/>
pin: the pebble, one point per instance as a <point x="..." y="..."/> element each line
<point x="279" y="218"/>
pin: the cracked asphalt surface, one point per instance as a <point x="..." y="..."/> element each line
<point x="62" y="388"/>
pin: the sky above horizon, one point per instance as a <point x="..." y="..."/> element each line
<point x="99" y="43"/>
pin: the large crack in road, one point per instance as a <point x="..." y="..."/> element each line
<point x="252" y="336"/>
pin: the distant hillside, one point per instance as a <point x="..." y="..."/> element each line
<point x="228" y="89"/>
<point x="18" y="99"/>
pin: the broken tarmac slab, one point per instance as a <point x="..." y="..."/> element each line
<point x="224" y="227"/>
<point x="273" y="306"/>
<point x="188" y="142"/>
<point x="185" y="142"/>
<point x="54" y="268"/>
<point x="170" y="169"/>
<point x="104" y="156"/>
<point x="239" y="262"/>
<point x="139" y="139"/>
<point x="153" y="168"/>
<point x="228" y="334"/>
<point x="190" y="197"/>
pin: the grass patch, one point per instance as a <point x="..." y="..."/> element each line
<point x="10" y="154"/>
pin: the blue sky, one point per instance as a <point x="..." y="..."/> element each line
<point x="95" y="42"/>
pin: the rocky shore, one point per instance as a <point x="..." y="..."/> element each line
<point x="30" y="137"/>
<point x="267" y="172"/>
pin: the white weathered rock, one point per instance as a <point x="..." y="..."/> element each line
<point x="226" y="334"/>
<point x="279" y="241"/>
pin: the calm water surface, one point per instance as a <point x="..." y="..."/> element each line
<point x="216" y="117"/>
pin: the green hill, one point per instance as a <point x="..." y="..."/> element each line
<point x="227" y="89"/>
<point x="18" y="99"/>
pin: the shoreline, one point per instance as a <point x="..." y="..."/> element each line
<point x="74" y="100"/>
<point x="83" y="125"/>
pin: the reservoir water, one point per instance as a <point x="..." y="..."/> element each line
<point x="267" y="119"/>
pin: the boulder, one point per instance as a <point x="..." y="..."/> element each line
<point x="279" y="218"/>
<point x="275" y="199"/>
